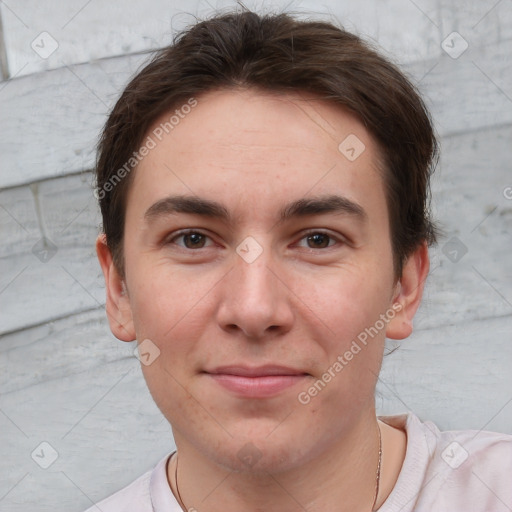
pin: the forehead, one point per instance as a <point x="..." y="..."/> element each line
<point x="257" y="148"/>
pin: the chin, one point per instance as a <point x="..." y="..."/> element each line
<point x="258" y="453"/>
<point x="255" y="459"/>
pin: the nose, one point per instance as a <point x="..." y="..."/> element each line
<point x="255" y="299"/>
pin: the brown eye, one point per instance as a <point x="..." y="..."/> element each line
<point x="194" y="240"/>
<point x="191" y="240"/>
<point x="318" y="240"/>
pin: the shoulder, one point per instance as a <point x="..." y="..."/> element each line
<point x="468" y="470"/>
<point x="136" y="496"/>
<point x="474" y="467"/>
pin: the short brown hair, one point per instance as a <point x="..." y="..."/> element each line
<point x="278" y="52"/>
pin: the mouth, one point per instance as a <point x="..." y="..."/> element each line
<point x="256" y="382"/>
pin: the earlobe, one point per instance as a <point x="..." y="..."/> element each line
<point x="118" y="305"/>
<point x="408" y="293"/>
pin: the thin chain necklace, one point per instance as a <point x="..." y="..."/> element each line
<point x="377" y="483"/>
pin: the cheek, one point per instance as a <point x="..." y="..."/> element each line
<point x="348" y="299"/>
<point x="351" y="303"/>
<point x="166" y="300"/>
<point x="170" y="309"/>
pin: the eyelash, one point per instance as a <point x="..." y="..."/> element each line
<point x="305" y="235"/>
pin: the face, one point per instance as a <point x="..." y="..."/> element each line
<point x="257" y="254"/>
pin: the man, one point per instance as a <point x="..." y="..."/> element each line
<point x="264" y="189"/>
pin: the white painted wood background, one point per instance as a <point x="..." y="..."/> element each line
<point x="65" y="380"/>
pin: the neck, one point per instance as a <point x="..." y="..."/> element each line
<point x="342" y="477"/>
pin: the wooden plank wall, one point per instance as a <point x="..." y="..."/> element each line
<point x="66" y="381"/>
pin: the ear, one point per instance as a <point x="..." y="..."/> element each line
<point x="408" y="293"/>
<point x="118" y="305"/>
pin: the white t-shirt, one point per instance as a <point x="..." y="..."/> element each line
<point x="452" y="471"/>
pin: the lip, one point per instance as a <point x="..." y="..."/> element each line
<point x="256" y="382"/>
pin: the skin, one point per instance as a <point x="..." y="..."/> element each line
<point x="299" y="304"/>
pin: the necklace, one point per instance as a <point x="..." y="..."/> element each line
<point x="377" y="483"/>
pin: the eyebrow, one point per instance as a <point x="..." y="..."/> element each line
<point x="300" y="208"/>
